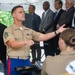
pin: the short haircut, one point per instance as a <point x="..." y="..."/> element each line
<point x="47" y="3"/>
<point x="69" y="37"/>
<point x="33" y="6"/>
<point x="14" y="8"/>
<point x="60" y="2"/>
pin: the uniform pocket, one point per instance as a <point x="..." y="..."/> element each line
<point x="29" y="36"/>
<point x="18" y="38"/>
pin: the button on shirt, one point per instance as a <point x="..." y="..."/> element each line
<point x="14" y="32"/>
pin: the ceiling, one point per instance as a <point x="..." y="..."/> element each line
<point x="19" y="1"/>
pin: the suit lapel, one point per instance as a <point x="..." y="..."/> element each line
<point x="44" y="18"/>
<point x="58" y="14"/>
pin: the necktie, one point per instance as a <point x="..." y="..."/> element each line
<point x="55" y="15"/>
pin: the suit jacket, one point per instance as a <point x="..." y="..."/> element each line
<point x="57" y="17"/>
<point x="47" y="22"/>
<point x="56" y="65"/>
<point x="28" y="21"/>
<point x="36" y="22"/>
<point x="32" y="21"/>
<point x="66" y="17"/>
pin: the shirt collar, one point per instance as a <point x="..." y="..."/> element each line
<point x="58" y="10"/>
<point x="32" y="14"/>
<point x="16" y="27"/>
<point x="46" y="11"/>
<point x="69" y="8"/>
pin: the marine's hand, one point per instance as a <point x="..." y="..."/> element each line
<point x="57" y="26"/>
<point x="61" y="29"/>
<point x="41" y="31"/>
<point x="29" y="42"/>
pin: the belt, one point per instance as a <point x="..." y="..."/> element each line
<point x="18" y="57"/>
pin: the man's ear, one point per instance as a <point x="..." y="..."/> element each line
<point x="61" y="41"/>
<point x="13" y="15"/>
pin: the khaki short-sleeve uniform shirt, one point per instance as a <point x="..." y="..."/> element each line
<point x="14" y="32"/>
<point x="57" y="65"/>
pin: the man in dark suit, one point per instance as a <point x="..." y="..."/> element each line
<point x="67" y="16"/>
<point x="28" y="21"/>
<point x="46" y="26"/>
<point x="36" y="50"/>
<point x="2" y="46"/>
<point x="58" y="6"/>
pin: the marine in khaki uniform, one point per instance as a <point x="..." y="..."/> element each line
<point x="18" y="40"/>
<point x="57" y="65"/>
<point x="14" y="32"/>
